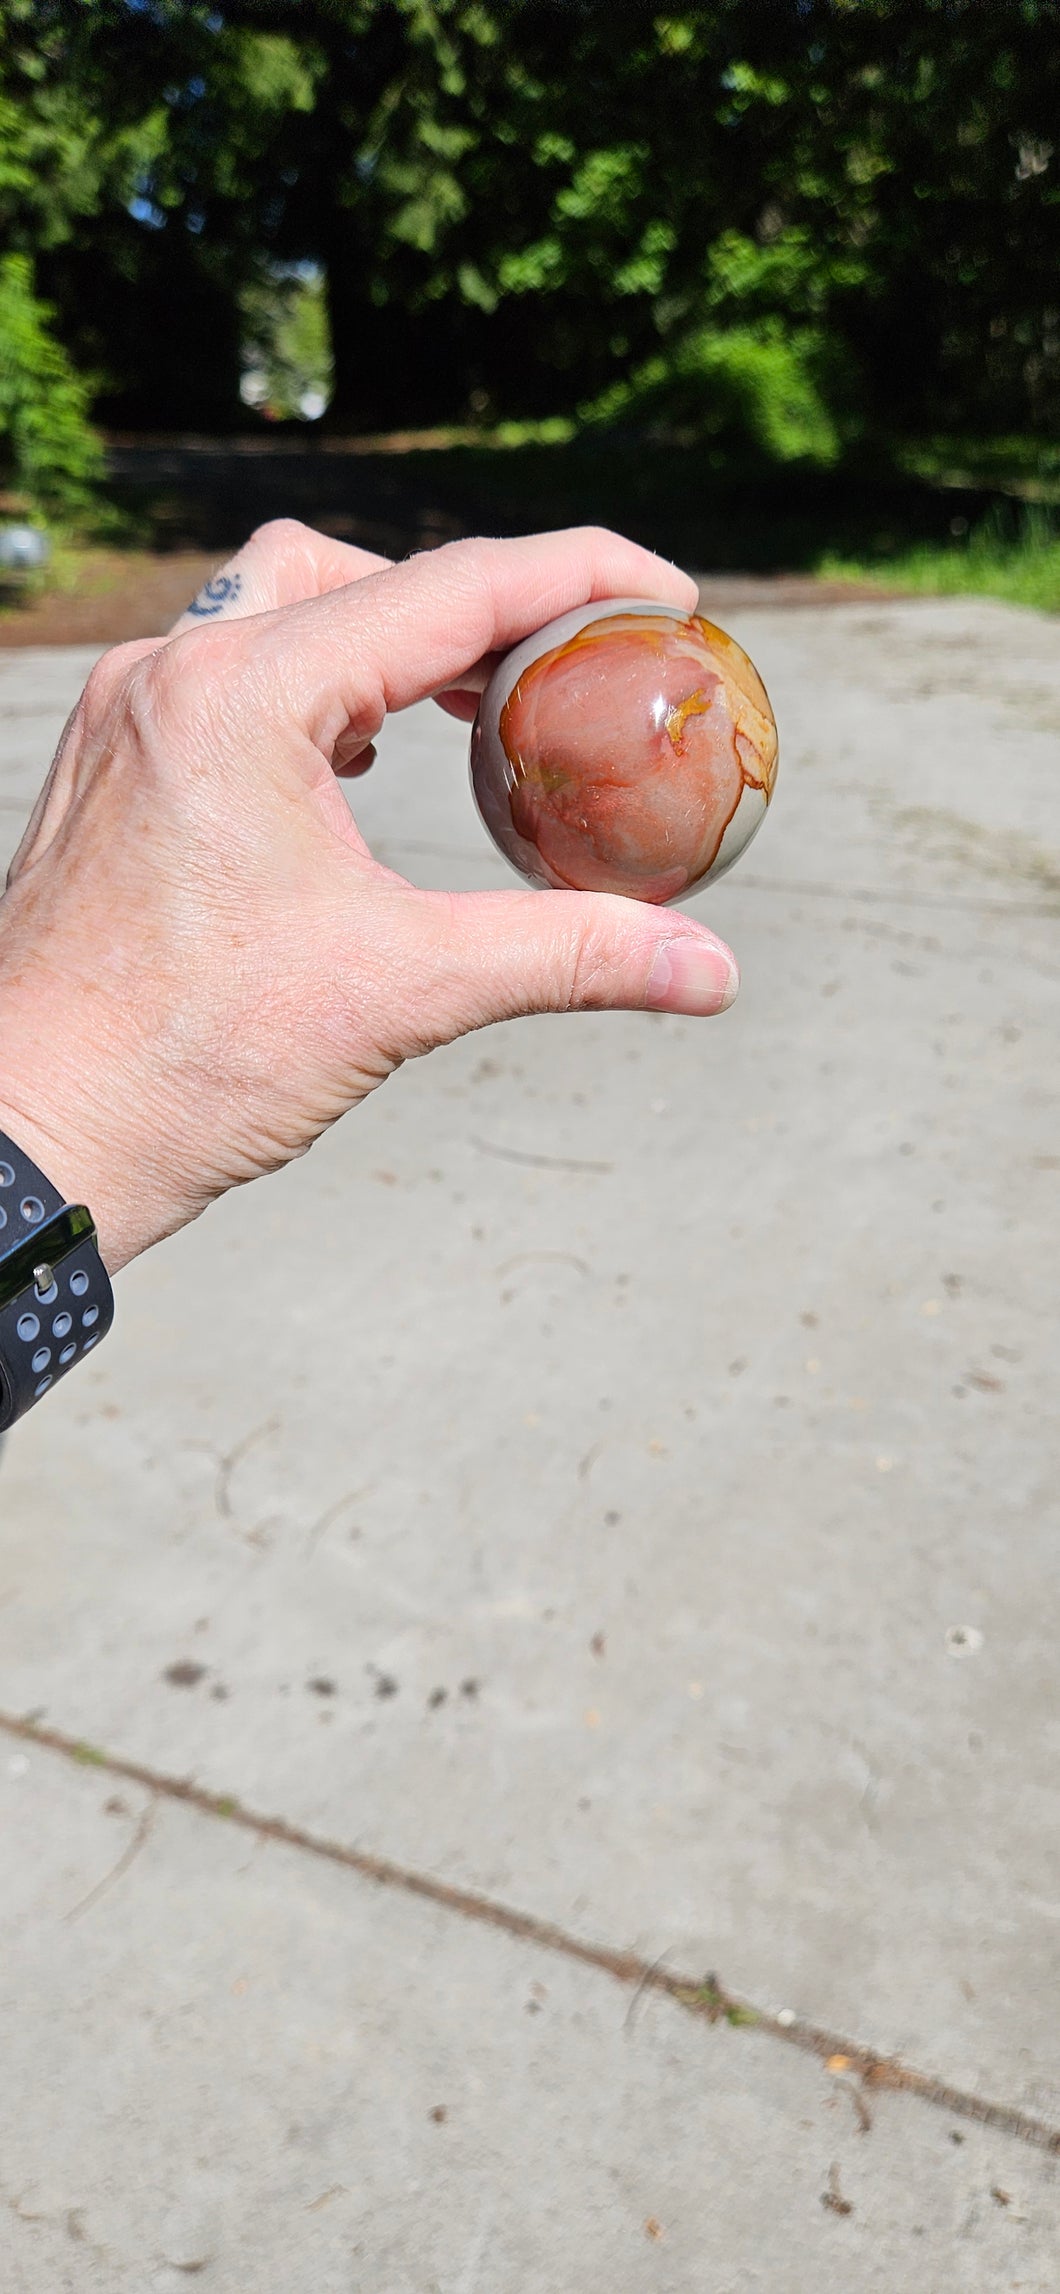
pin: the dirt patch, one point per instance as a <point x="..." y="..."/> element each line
<point x="735" y="592"/>
<point x="120" y="594"/>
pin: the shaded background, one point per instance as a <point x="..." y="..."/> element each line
<point x="768" y="286"/>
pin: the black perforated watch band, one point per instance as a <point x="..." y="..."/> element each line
<point x="56" y="1302"/>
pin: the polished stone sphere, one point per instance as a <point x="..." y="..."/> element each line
<point x="627" y="747"/>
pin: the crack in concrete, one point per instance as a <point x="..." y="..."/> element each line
<point x="541" y="1162"/>
<point x="705" y="1996"/>
<point x="230" y="1459"/>
<point x="118" y="1870"/>
<point x="893" y="896"/>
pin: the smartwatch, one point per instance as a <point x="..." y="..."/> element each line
<point x="56" y="1302"/>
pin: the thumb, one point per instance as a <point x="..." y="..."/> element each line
<point x="483" y="956"/>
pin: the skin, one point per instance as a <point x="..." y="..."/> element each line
<point x="201" y="964"/>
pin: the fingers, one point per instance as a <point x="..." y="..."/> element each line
<point x="349" y="765"/>
<point x="471" y="958"/>
<point x="343" y="660"/>
<point x="283" y="563"/>
<point x="460" y="702"/>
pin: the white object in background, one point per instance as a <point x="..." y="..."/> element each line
<point x="254" y="387"/>
<point x="23" y="549"/>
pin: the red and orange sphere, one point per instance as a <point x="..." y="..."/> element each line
<point x="627" y="747"/>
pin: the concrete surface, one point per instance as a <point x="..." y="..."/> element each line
<point x="668" y="1550"/>
<point x="251" y="2072"/>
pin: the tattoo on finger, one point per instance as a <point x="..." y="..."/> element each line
<point x="221" y="591"/>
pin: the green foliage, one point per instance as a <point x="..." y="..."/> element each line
<point x="90" y="1755"/>
<point x="797" y="227"/>
<point x="744" y="386"/>
<point x="54" y="453"/>
<point x="709" y="1999"/>
<point x="1026" y="469"/>
<point x="1020" y="564"/>
<point x="70" y="141"/>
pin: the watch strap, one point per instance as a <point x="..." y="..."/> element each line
<point x="56" y="1301"/>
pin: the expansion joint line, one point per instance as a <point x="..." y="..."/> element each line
<point x="704" y="1996"/>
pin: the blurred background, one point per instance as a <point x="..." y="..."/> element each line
<point x="774" y="288"/>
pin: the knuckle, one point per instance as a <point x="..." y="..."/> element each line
<point x="588" y="968"/>
<point x="167" y="687"/>
<point x="476" y="556"/>
<point x="103" y="682"/>
<point x="152" y="683"/>
<point x="475" y="548"/>
<point x="278" y="535"/>
<point x="478" y="570"/>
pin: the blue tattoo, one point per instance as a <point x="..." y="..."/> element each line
<point x="215" y="595"/>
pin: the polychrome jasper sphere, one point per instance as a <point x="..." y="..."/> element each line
<point x="627" y="747"/>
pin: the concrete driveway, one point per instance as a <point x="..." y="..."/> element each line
<point x="528" y="1663"/>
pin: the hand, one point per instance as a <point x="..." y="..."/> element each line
<point x="286" y="562"/>
<point x="201" y="964"/>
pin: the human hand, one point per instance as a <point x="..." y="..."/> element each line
<point x="201" y="964"/>
<point x="284" y="563"/>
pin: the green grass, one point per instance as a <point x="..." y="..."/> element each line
<point x="1018" y="562"/>
<point x="1028" y="469"/>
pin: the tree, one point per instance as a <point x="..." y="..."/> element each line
<point x="91" y="96"/>
<point x="55" y="456"/>
<point x="520" y="202"/>
<point x="816" y="221"/>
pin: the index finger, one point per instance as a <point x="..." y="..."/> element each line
<point x="282" y="563"/>
<point x="347" y="659"/>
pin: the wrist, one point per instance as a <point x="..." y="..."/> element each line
<point x="66" y="1102"/>
<point x="79" y="1172"/>
<point x="56" y="1301"/>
